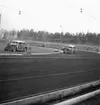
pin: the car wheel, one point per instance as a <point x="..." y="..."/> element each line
<point x="25" y="49"/>
<point x="74" y="52"/>
<point x="14" y="49"/>
<point x="63" y="50"/>
<point x="5" y="49"/>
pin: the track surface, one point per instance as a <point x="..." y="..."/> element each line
<point x="30" y="75"/>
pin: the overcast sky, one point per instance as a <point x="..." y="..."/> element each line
<point x="49" y="15"/>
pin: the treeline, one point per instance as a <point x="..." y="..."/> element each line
<point x="4" y="34"/>
<point x="82" y="38"/>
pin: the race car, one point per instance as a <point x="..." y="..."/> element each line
<point x="16" y="45"/>
<point x="69" y="49"/>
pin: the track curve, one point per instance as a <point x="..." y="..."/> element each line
<point x="22" y="76"/>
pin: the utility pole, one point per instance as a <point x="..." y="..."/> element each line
<point x="8" y="8"/>
<point x="81" y="11"/>
<point x="19" y="11"/>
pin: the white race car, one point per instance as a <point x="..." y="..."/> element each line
<point x="69" y="49"/>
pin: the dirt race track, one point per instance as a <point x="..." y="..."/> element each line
<point x="23" y="76"/>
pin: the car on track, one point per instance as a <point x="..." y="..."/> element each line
<point x="42" y="45"/>
<point x="69" y="49"/>
<point x="16" y="45"/>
